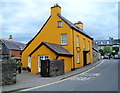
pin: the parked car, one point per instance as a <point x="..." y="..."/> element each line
<point x="106" y="57"/>
<point x="116" y="57"/>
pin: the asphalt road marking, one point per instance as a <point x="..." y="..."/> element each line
<point x="85" y="76"/>
<point x="62" y="80"/>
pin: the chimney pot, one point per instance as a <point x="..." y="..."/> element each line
<point x="56" y="9"/>
<point x="80" y="25"/>
<point x="10" y="37"/>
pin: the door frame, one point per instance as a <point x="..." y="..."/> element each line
<point x="29" y="61"/>
<point x="39" y="61"/>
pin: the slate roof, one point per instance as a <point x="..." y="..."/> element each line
<point x="103" y="42"/>
<point x="106" y="42"/>
<point x="73" y="26"/>
<point x="58" y="49"/>
<point x="13" y="45"/>
<point x="116" y="41"/>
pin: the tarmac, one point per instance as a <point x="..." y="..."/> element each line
<point x="28" y="80"/>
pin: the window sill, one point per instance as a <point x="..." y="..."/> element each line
<point x="64" y="44"/>
<point x="60" y="27"/>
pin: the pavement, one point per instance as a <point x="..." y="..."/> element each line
<point x="28" y="80"/>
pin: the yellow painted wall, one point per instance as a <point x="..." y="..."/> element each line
<point x="43" y="50"/>
<point x="52" y="34"/>
<point x="81" y="37"/>
<point x="67" y="63"/>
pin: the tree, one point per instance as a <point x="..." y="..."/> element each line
<point x="116" y="49"/>
<point x="102" y="52"/>
<point x="107" y="49"/>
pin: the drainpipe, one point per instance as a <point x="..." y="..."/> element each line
<point x="73" y="49"/>
<point x="57" y="57"/>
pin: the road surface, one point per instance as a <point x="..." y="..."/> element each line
<point x="103" y="77"/>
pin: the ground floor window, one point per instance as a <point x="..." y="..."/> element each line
<point x="78" y="57"/>
<point x="88" y="57"/>
<point x="44" y="57"/>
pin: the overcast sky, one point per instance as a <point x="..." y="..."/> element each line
<point x="24" y="18"/>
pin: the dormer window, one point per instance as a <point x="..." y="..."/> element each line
<point x="108" y="42"/>
<point x="59" y="23"/>
<point x="96" y="43"/>
<point x="101" y="42"/>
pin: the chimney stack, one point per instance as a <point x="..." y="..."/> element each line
<point x="10" y="37"/>
<point x="56" y="9"/>
<point x="80" y="25"/>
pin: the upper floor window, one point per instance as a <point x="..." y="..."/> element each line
<point x="88" y="45"/>
<point x="84" y="44"/>
<point x="101" y="42"/>
<point x="77" y="41"/>
<point x="64" y="39"/>
<point x="59" y="23"/>
<point x="96" y="42"/>
<point x="108" y="42"/>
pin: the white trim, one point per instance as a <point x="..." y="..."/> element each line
<point x="29" y="61"/>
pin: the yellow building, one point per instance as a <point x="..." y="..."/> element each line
<point x="59" y="39"/>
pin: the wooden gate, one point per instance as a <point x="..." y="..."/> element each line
<point x="45" y="65"/>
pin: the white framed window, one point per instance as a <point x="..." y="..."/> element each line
<point x="64" y="39"/>
<point x="84" y="44"/>
<point x="108" y="42"/>
<point x="96" y="43"/>
<point x="29" y="61"/>
<point x="101" y="42"/>
<point x="77" y="41"/>
<point x="59" y="23"/>
<point x="78" y="57"/>
<point x="44" y="57"/>
<point x="88" y="45"/>
<point x="88" y="57"/>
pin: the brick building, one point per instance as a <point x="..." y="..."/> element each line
<point x="11" y="48"/>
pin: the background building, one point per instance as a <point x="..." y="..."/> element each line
<point x="11" y="48"/>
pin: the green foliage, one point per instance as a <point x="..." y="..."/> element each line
<point x="102" y="52"/>
<point x="107" y="49"/>
<point x="12" y="55"/>
<point x="116" y="49"/>
<point x="113" y="53"/>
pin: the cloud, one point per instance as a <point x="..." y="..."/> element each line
<point x="23" y="19"/>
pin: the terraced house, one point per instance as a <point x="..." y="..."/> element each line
<point x="59" y="39"/>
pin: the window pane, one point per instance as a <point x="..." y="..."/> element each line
<point x="78" y="57"/>
<point x="77" y="41"/>
<point x="84" y="45"/>
<point x="59" y="23"/>
<point x="88" y="45"/>
<point x="64" y="39"/>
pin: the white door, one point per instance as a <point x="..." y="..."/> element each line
<point x="29" y="61"/>
<point x="41" y="57"/>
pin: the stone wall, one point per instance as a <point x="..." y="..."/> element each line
<point x="96" y="56"/>
<point x="51" y="68"/>
<point x="56" y="67"/>
<point x="8" y="72"/>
